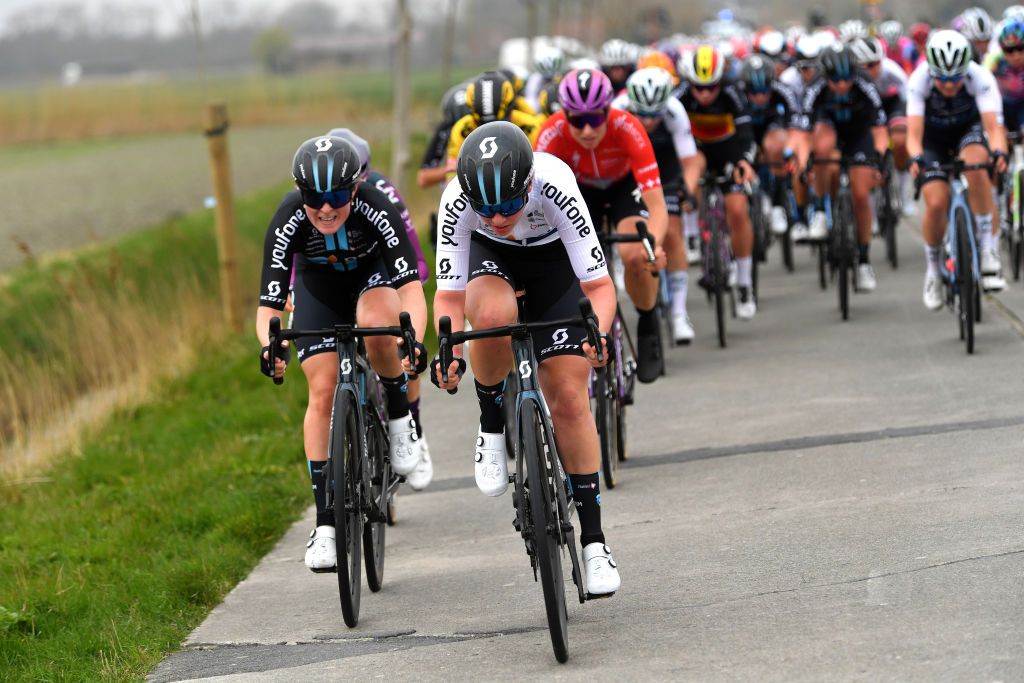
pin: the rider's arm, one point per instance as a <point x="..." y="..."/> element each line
<point x="744" y="130"/>
<point x="645" y="171"/>
<point x="918" y="88"/>
<point x="994" y="131"/>
<point x="879" y="129"/>
<point x="435" y="155"/>
<point x="279" y="247"/>
<point x="915" y="135"/>
<point x="990" y="106"/>
<point x="601" y="293"/>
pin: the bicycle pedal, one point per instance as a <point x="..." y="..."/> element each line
<point x="598" y="596"/>
<point x="328" y="570"/>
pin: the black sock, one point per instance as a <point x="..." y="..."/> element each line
<point x="318" y="475"/>
<point x="647" y="323"/>
<point x="586" y="491"/>
<point x="864" y="253"/>
<point x="819" y="203"/>
<point x="395" y="389"/>
<point x="492" y="417"/>
<point x="414" y="409"/>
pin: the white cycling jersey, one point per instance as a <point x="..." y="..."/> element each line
<point x="554" y="211"/>
<point x="792" y="79"/>
<point x="979" y="94"/>
<point x="676" y="122"/>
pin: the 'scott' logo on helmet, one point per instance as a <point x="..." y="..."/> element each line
<point x="323" y="144"/>
<point x="488" y="147"/>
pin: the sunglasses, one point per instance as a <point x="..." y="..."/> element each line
<point x="506" y="208"/>
<point x="1012" y="49"/>
<point x="804" y="66"/>
<point x="949" y="79"/>
<point x="651" y="115"/>
<point x="871" y="65"/>
<point x="704" y="88"/>
<point x="839" y="79"/>
<point x="594" y="119"/>
<point x="336" y="199"/>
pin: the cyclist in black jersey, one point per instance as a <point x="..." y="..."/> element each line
<point x="435" y="154"/>
<point x="354" y="264"/>
<point x="843" y="110"/>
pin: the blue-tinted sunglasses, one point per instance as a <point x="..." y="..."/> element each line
<point x="949" y="79"/>
<point x="336" y="199"/>
<point x="507" y="208"/>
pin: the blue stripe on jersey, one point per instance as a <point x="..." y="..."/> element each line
<point x="342" y="237"/>
<point x="329" y="242"/>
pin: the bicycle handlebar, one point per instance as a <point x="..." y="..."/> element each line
<point x="643" y="236"/>
<point x="957" y="166"/>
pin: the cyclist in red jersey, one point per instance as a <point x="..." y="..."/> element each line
<point x="612" y="157"/>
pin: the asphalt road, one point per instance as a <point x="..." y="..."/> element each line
<point x="820" y="501"/>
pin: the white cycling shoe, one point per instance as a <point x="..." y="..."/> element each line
<point x="682" y="329"/>
<point x="932" y="292"/>
<point x="991" y="272"/>
<point x="866" y="281"/>
<point x="818" y="229"/>
<point x="799" y="232"/>
<point x="491" y="464"/>
<point x="746" y="306"/>
<point x="602" y="574"/>
<point x="421" y="476"/>
<point x="778" y="220"/>
<point x="321" y="551"/>
<point x="405" y="445"/>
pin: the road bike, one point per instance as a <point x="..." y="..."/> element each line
<point x="716" y="248"/>
<point x="889" y="203"/>
<point x="841" y="242"/>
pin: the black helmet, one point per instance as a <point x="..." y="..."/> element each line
<point x="495" y="164"/>
<point x="490" y="96"/>
<point x="453" y="104"/>
<point x="326" y="164"/>
<point x="758" y="73"/>
<point x="837" y="62"/>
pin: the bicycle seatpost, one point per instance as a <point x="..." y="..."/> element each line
<point x="275" y="334"/>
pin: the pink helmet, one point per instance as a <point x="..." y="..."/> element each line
<point x="585" y="90"/>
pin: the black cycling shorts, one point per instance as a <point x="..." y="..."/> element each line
<point x="673" y="203"/>
<point x="770" y="123"/>
<point x="895" y="110"/>
<point x="942" y="146"/>
<point x="719" y="155"/>
<point x="618" y="201"/>
<point x="325" y="298"/>
<point x="552" y="290"/>
<point x="856" y="145"/>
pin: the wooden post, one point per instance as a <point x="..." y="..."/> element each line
<point x="216" y="128"/>
<point x="448" y="44"/>
<point x="400" y="115"/>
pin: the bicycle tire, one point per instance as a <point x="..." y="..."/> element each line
<point x="719" y="278"/>
<point x="822" y="265"/>
<point x="605" y="418"/>
<point x="844" y="226"/>
<point x="787" y="249"/>
<point x="345" y="449"/>
<point x="965" y="280"/>
<point x="375" y="526"/>
<point x="543" y="516"/>
<point x="891" y="216"/>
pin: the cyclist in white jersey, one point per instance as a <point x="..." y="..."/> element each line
<point x="515" y="222"/>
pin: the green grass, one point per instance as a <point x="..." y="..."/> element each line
<point x="108" y="564"/>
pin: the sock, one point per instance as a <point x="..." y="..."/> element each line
<point x="933" y="257"/>
<point x="864" y="253"/>
<point x="318" y="475"/>
<point x="492" y="417"/>
<point x="745" y="271"/>
<point x="648" y="322"/>
<point x="801" y="214"/>
<point x="690" y="228"/>
<point x="985" y="238"/>
<point x="586" y="493"/>
<point x="396" y="390"/>
<point x="678" y="281"/>
<point x="414" y="410"/>
<point x="819" y="203"/>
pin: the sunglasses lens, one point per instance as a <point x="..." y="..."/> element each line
<point x="592" y="119"/>
<point x="336" y="199"/>
<point x="509" y="208"/>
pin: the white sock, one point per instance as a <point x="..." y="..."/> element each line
<point x="744" y="271"/>
<point x="678" y="282"/>
<point x="933" y="257"/>
<point x="985" y="237"/>
<point x="690" y="228"/>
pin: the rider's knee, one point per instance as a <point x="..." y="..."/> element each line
<point x="567" y="402"/>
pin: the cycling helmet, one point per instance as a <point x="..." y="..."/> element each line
<point x="867" y="50"/>
<point x="547" y="99"/>
<point x="453" y="104"/>
<point x="584" y="63"/>
<point x="616" y="52"/>
<point x="919" y="32"/>
<point x="326" y="164"/>
<point x="771" y="44"/>
<point x="1014" y="12"/>
<point x="704" y="66"/>
<point x="516" y="76"/>
<point x="490" y="96"/>
<point x="361" y="145"/>
<point x="549" y="62"/>
<point x="948" y="53"/>
<point x="758" y="74"/>
<point x="585" y="90"/>
<point x="837" y="62"/>
<point x="976" y="24"/>
<point x="807" y="49"/>
<point x="852" y="29"/>
<point x="1011" y="33"/>
<point x="891" y="30"/>
<point x="495" y="164"/>
<point x="659" y="60"/>
<point x="649" y="90"/>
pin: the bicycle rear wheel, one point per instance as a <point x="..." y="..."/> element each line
<point x="345" y="450"/>
<point x="890" y="216"/>
<point x="843" y="227"/>
<point x="604" y="414"/>
<point x="376" y="523"/>
<point x="760" y="226"/>
<point x="965" y="280"/>
<point x="719" y="279"/>
<point x="545" y="521"/>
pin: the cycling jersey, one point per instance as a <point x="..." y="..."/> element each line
<point x="373" y="231"/>
<point x="979" y="93"/>
<point x="1009" y="80"/>
<point x="528" y="123"/>
<point x="727" y="116"/>
<point x="672" y="139"/>
<point x="624" y="147"/>
<point x="792" y="79"/>
<point x="436" y="152"/>
<point x="382" y="183"/>
<point x="554" y="211"/>
<point x="781" y="111"/>
<point x="857" y="110"/>
<point x="531" y="91"/>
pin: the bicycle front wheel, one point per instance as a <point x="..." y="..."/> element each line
<point x="719" y="279"/>
<point x="604" y="415"/>
<point x="345" y="449"/>
<point x="843" y="225"/>
<point x="545" y="520"/>
<point x="376" y="523"/>
<point x="965" y="280"/>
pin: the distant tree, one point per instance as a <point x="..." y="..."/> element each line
<point x="272" y="48"/>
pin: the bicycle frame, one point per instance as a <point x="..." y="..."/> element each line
<point x="958" y="202"/>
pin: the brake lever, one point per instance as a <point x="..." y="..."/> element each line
<point x="593" y="330"/>
<point x="275" y="333"/>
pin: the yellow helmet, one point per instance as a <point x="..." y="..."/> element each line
<point x="705" y="66"/>
<point x="490" y="97"/>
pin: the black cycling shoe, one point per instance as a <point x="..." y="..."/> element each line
<point x="649" y="363"/>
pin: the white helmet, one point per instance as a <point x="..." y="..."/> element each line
<point x="583" y="63"/>
<point x="948" y="53"/>
<point x="1014" y="12"/>
<point x="852" y="29"/>
<point x="891" y="30"/>
<point x="867" y="50"/>
<point x="771" y="44"/>
<point x="649" y="90"/>
<point x="549" y="61"/>
<point x="616" y="52"/>
<point x="976" y="24"/>
<point x="807" y="48"/>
